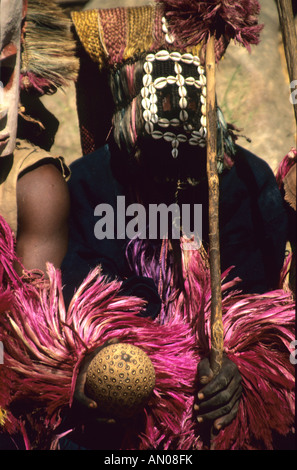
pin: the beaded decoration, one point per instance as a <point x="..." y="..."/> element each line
<point x="153" y="122"/>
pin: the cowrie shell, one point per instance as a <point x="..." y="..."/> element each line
<point x="197" y="134"/>
<point x="177" y="68"/>
<point x="182" y="91"/>
<point x="153" y="98"/>
<point x="203" y="109"/>
<point x="169" y="136"/>
<point x="155" y="118"/>
<point x="180" y="80"/>
<point x="144" y="92"/>
<point x="203" y="121"/>
<point x="148" y="67"/>
<point x="203" y="131"/>
<point x="190" y="80"/>
<point x="149" y="127"/>
<point x="202" y="99"/>
<point x="183" y="115"/>
<point x="196" y="61"/>
<point x="175" y="144"/>
<point x="176" y="56"/>
<point x="160" y="83"/>
<point x="203" y="80"/>
<point x="193" y="141"/>
<point x="164" y="28"/>
<point x="187" y="58"/>
<point x="147" y="80"/>
<point x="174" y="122"/>
<point x="150" y="58"/>
<point x="146" y="115"/>
<point x="169" y="38"/>
<point x="146" y="103"/>
<point x="154" y="108"/>
<point x="174" y="153"/>
<point x="152" y="89"/>
<point x="201" y="70"/>
<point x="157" y="135"/>
<point x="204" y="91"/>
<point x="182" y="138"/>
<point x="198" y="84"/>
<point x="183" y="103"/>
<point x="163" y="122"/>
<point x="162" y="55"/>
<point x="171" y="80"/>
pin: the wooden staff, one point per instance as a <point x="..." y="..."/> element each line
<point x="217" y="336"/>
<point x="287" y="24"/>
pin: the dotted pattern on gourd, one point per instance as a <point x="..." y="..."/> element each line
<point x="120" y="378"/>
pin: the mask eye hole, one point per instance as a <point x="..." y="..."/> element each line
<point x="7" y="67"/>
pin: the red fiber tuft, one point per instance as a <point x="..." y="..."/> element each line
<point x="193" y="21"/>
<point x="285" y="165"/>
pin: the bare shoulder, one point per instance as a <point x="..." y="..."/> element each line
<point x="43" y="209"/>
<point x="42" y="197"/>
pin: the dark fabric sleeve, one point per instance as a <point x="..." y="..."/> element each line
<point x="274" y="230"/>
<point x="253" y="224"/>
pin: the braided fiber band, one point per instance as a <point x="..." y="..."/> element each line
<point x="86" y="24"/>
<point x="113" y="36"/>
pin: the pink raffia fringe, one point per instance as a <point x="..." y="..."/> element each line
<point x="45" y="345"/>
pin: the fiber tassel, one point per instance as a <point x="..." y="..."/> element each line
<point x="48" y="57"/>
